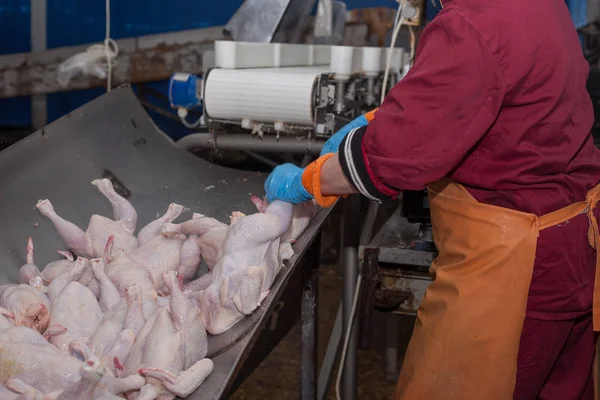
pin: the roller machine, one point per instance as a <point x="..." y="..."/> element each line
<point x="299" y="90"/>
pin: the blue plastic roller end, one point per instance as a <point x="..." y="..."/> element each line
<point x="184" y="91"/>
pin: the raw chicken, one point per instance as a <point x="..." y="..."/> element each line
<point x="123" y="211"/>
<point x="6" y="322"/>
<point x="109" y="295"/>
<point x="22" y="334"/>
<point x="75" y="273"/>
<point x="172" y="364"/>
<point x="189" y="258"/>
<point x="153" y="228"/>
<point x="250" y="262"/>
<point x="124" y="273"/>
<point x="303" y="213"/>
<point x="44" y="367"/>
<point x="29" y="306"/>
<point x="211" y="234"/>
<point x="110" y="327"/>
<point x="159" y="255"/>
<point x="76" y="309"/>
<point x="110" y="332"/>
<point x="16" y="389"/>
<point x="29" y="273"/>
<point x="55" y="268"/>
<point x="198" y="284"/>
<point x="91" y="242"/>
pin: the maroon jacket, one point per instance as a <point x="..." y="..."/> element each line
<point x="497" y="101"/>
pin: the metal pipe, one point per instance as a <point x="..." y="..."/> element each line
<point x="339" y="104"/>
<point x="331" y="354"/>
<point x="262" y="159"/>
<point x="350" y="232"/>
<point x="267" y="144"/>
<point x="367" y="231"/>
<point x="308" y="321"/>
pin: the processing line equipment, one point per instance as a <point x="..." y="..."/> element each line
<point x="275" y="97"/>
<point x="113" y="137"/>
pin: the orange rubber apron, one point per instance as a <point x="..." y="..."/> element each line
<point x="466" y="339"/>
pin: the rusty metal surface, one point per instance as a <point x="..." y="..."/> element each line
<point x="399" y="276"/>
<point x="141" y="59"/>
<point x="401" y="294"/>
<point x="397" y="240"/>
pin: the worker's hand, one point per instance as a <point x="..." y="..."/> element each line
<point x="332" y="144"/>
<point x="285" y="184"/>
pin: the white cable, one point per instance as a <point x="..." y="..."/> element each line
<point x="107" y="51"/>
<point x="398" y="20"/>
<point x="347" y="338"/>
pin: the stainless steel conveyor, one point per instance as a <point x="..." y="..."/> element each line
<point x="112" y="136"/>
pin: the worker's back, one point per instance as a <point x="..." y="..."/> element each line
<point x="539" y="154"/>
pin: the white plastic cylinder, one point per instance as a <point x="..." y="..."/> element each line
<point x="371" y="60"/>
<point x="341" y="62"/>
<point x="265" y="95"/>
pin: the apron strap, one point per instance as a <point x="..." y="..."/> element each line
<point x="591" y="201"/>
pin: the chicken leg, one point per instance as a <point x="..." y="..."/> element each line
<point x="123" y="211"/>
<point x="75" y="239"/>
<point x="29" y="273"/>
<point x="153" y="228"/>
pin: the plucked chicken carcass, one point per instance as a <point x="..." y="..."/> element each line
<point x="25" y="304"/>
<point x="249" y="263"/>
<point x="170" y="349"/>
<point x="48" y="369"/>
<point x="126" y="318"/>
<point x="75" y="308"/>
<point x="91" y="243"/>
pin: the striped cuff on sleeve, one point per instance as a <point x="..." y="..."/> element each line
<point x="356" y="168"/>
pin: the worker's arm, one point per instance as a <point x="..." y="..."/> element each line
<point x="426" y="126"/>
<point x="433" y="118"/>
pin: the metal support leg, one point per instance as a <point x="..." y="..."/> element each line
<point x="309" y="322"/>
<point x="333" y="348"/>
<point x="391" y="351"/>
<point x="351" y="233"/>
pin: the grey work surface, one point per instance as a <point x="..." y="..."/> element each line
<point x="114" y="134"/>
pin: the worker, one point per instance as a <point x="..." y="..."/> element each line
<point x="494" y="120"/>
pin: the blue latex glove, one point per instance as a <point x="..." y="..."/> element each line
<point x="332" y="144"/>
<point x="285" y="184"/>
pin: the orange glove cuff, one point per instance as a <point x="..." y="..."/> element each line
<point x="370" y="116"/>
<point x="311" y="180"/>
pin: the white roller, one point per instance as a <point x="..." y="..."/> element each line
<point x="371" y="60"/>
<point x="341" y="61"/>
<point x="261" y="95"/>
